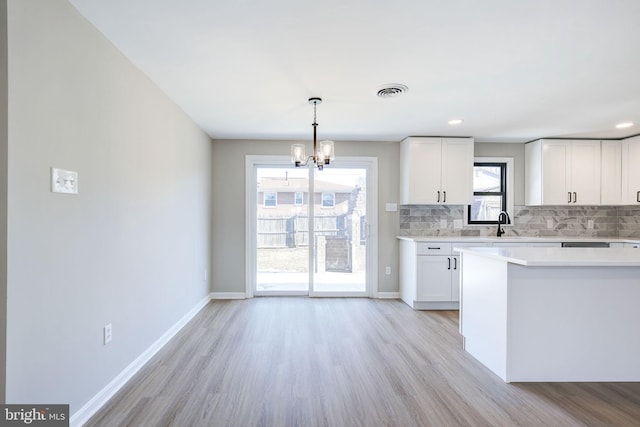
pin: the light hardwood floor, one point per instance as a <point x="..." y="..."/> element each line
<point x="343" y="362"/>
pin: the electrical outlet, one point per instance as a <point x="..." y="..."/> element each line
<point x="590" y="224"/>
<point x="457" y="224"/>
<point x="108" y="333"/>
<point x="443" y="223"/>
<point x="550" y="224"/>
<point x="205" y="274"/>
<point x="387" y="270"/>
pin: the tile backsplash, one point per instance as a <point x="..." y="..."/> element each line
<point x="529" y="221"/>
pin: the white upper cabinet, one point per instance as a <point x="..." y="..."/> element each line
<point x="562" y="172"/>
<point x="611" y="173"/>
<point x="631" y="171"/>
<point x="436" y="171"/>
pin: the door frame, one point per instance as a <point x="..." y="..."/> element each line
<point x="368" y="163"/>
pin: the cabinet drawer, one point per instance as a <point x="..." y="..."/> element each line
<point x="433" y="248"/>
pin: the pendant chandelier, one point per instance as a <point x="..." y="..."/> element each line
<point x="322" y="155"/>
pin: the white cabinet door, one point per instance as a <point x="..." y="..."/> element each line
<point x="585" y="172"/>
<point x="434" y="278"/>
<point x="455" y="279"/>
<point x="631" y="171"/>
<point x="611" y="173"/>
<point x="457" y="171"/>
<point x="556" y="159"/>
<point x="420" y="171"/>
<point x="562" y="172"/>
<point x="436" y="171"/>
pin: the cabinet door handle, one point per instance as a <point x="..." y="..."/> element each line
<point x="455" y="263"/>
<point x="569" y="192"/>
<point x="449" y="268"/>
<point x="638" y="196"/>
<point x="438" y="196"/>
<point x="575" y="197"/>
<point x="434" y="247"/>
<point x="444" y="199"/>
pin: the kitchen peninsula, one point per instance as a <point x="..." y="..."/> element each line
<point x="533" y="314"/>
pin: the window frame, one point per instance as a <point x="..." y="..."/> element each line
<point x="333" y="199"/>
<point x="264" y="199"/>
<point x="295" y="198"/>
<point x="506" y="165"/>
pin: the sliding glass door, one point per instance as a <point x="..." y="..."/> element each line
<point x="310" y="230"/>
<point x="340" y="231"/>
<point x="282" y="230"/>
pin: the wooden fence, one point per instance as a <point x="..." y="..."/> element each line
<point x="291" y="232"/>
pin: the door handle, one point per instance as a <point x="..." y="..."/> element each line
<point x="444" y="200"/>
<point x="438" y="196"/>
<point x="569" y="192"/>
<point x="449" y="268"/>
<point x="575" y="197"/>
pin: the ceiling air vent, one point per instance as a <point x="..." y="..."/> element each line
<point x="392" y="90"/>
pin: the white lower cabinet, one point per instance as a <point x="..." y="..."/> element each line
<point x="430" y="274"/>
<point x="430" y="271"/>
<point x="436" y="278"/>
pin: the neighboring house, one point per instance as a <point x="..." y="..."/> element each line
<point x="278" y="197"/>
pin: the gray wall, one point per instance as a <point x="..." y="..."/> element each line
<point x="228" y="262"/>
<point x="228" y="259"/>
<point x="3" y="197"/>
<point x="132" y="247"/>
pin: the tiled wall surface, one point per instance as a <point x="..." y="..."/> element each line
<point x="529" y="221"/>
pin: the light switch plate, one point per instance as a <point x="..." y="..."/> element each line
<point x="392" y="207"/>
<point x="64" y="181"/>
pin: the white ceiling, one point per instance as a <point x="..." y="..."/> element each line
<point x="514" y="70"/>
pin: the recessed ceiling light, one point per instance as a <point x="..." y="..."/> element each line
<point x="624" y="125"/>
<point x="455" y="121"/>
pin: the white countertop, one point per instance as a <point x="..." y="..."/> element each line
<point x="515" y="239"/>
<point x="586" y="257"/>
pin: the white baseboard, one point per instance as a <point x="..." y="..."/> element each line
<point x="228" y="295"/>
<point x="92" y="406"/>
<point x="388" y="295"/>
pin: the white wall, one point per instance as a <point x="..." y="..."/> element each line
<point x="228" y="263"/>
<point x="131" y="248"/>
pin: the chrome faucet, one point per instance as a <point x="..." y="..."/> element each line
<point x="503" y="218"/>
